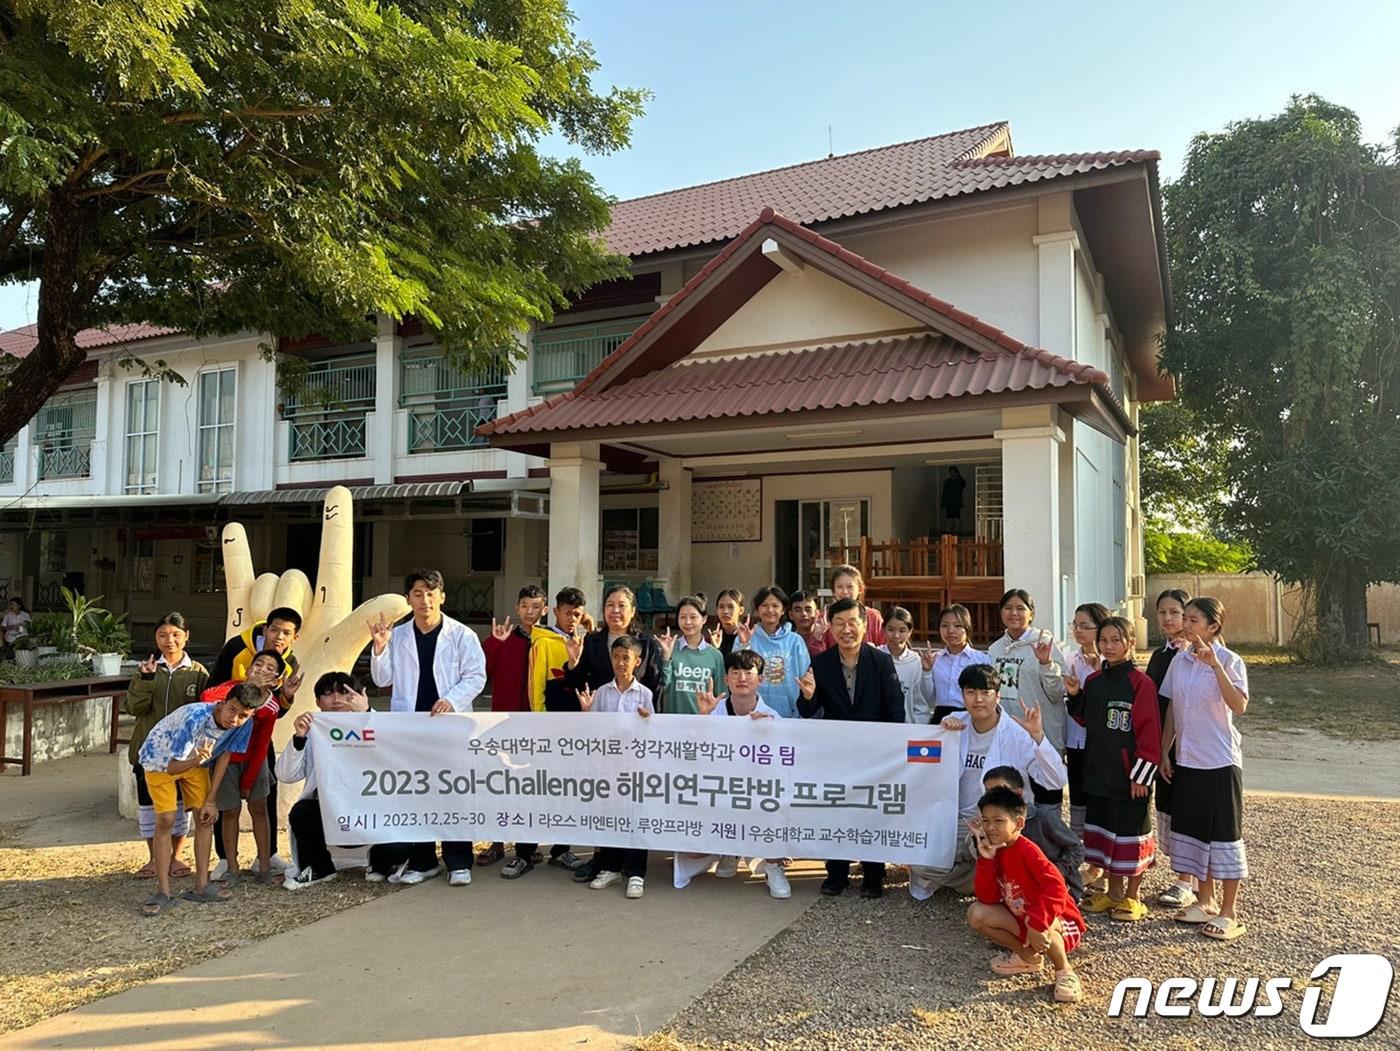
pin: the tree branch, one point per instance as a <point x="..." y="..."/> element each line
<point x="124" y="185"/>
<point x="251" y="114"/>
<point x="11" y="229"/>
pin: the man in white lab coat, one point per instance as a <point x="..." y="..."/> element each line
<point x="435" y="664"/>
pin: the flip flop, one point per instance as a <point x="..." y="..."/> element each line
<point x="145" y="872"/>
<point x="1194" y="914"/>
<point x="158" y="903"/>
<point x="210" y="895"/>
<point x="1224" y="929"/>
<point x="268" y="879"/>
<point x="178" y="869"/>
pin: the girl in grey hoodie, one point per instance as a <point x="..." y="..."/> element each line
<point x="1031" y="665"/>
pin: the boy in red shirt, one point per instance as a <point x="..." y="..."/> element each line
<point x="508" y="671"/>
<point x="1022" y="902"/>
<point x="248" y="778"/>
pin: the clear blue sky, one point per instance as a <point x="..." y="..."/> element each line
<point x="740" y="87"/>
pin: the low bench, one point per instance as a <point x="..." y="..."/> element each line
<point x="39" y="695"/>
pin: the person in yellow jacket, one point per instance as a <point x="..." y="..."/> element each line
<point x="549" y="657"/>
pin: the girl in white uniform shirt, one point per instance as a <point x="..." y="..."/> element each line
<point x="955" y="629"/>
<point x="1208" y="687"/>
<point x="912" y="666"/>
<point x="1083" y="661"/>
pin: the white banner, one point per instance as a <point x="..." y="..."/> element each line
<point x="707" y="784"/>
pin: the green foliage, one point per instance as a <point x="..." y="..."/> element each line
<point x="52" y="629"/>
<point x="105" y="634"/>
<point x="46" y="671"/>
<point x="296" y="167"/>
<point x="1284" y="245"/>
<point x="1182" y="466"/>
<point x="1177" y="552"/>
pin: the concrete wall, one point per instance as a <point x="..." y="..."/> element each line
<point x="62" y="729"/>
<point x="749" y="566"/>
<point x="1262" y="610"/>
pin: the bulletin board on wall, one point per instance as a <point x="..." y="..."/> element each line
<point x="726" y="511"/>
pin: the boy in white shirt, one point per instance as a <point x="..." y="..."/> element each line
<point x="623" y="694"/>
<point x="743" y="674"/>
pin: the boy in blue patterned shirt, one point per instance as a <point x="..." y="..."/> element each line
<point x="174" y="758"/>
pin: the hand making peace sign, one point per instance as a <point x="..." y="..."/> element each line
<point x="745" y="630"/>
<point x="926" y="658"/>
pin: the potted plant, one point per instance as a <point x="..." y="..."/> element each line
<point x="26" y="651"/>
<point x="51" y="633"/>
<point x="106" y="638"/>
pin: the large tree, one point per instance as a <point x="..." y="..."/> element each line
<point x="291" y="167"/>
<point x="1284" y="241"/>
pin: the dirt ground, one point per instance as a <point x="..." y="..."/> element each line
<point x="73" y="933"/>
<point x="896" y="973"/>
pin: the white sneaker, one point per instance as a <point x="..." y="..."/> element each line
<point x="727" y="868"/>
<point x="459" y="878"/>
<point x="305" y="879"/>
<point x="778" y="885"/>
<point x="280" y="864"/>
<point x="412" y="877"/>
<point x="604" y="880"/>
<point x="220" y="872"/>
<point x="636" y="887"/>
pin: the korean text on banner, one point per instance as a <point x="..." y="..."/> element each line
<point x="704" y="784"/>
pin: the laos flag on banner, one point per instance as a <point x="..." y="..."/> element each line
<point x="925" y="751"/>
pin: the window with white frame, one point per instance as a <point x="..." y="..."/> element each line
<point x="217" y="392"/>
<point x="142" y="416"/>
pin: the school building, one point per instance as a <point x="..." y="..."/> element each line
<point x="788" y="378"/>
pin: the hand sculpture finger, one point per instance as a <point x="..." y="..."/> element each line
<point x="334" y="592"/>
<point x="238" y="577"/>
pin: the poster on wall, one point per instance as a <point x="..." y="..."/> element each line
<point x="727" y="511"/>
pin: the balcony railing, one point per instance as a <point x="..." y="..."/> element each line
<point x="565" y="355"/>
<point x="63" y="462"/>
<point x="331" y="439"/>
<point x="7" y="466"/>
<point x="445" y="403"/>
<point x="327" y="417"/>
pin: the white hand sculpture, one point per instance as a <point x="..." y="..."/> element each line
<point x="332" y="635"/>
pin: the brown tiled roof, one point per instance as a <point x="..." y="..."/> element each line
<point x="928" y="169"/>
<point x="613" y="394"/>
<point x="20" y="341"/>
<point x="918" y="368"/>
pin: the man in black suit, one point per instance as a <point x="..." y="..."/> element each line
<point x="852" y="681"/>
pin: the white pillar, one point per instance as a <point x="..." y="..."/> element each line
<point x="1030" y="471"/>
<point x="382" y="438"/>
<point x="1057" y="292"/>
<point x="574" y="471"/>
<point x="673" y="521"/>
<point x="26" y="464"/>
<point x="105" y="417"/>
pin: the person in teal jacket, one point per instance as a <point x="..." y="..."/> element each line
<point x="689" y="664"/>
<point x="785" y="654"/>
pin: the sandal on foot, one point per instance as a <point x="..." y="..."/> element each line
<point x="210" y="895"/>
<point x="1102" y="903"/>
<point x="490" y="856"/>
<point x="158" y="903"/>
<point x="178" y="869"/>
<point x="1177" y="896"/>
<point x="268" y="878"/>
<point x="1067" y="988"/>
<point x="1224" y="929"/>
<point x="515" y="868"/>
<point x="1129" y="910"/>
<point x="1196" y="914"/>
<point x="1010" y="963"/>
<point x="146" y="872"/>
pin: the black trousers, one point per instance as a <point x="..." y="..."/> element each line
<point x="421" y="857"/>
<point x="271" y="809"/>
<point x="874" y="871"/>
<point x="1047" y="796"/>
<point x="305" y="822"/>
<point x="630" y="861"/>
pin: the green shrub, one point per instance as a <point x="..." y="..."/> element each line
<point x="1171" y="552"/>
